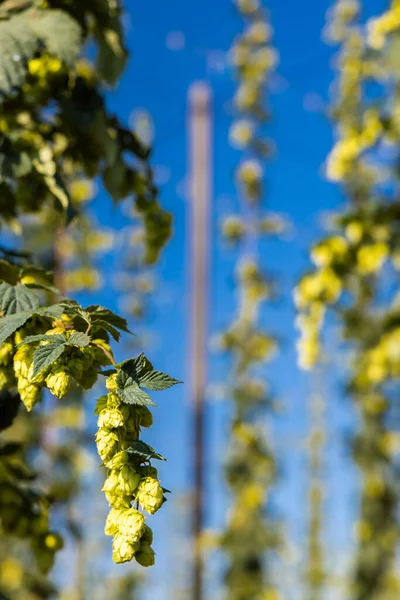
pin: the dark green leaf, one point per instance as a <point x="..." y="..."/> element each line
<point x="43" y="286"/>
<point x="52" y="312"/>
<point x="138" y="365"/>
<point x="17" y="298"/>
<point x="142" y="449"/>
<point x="157" y="381"/>
<point x="10" y="323"/>
<point x="46" y="355"/>
<point x="100" y="314"/>
<point x="103" y="325"/>
<point x="132" y="394"/>
<point x="43" y="338"/>
<point x="74" y="310"/>
<point x="112" y="54"/>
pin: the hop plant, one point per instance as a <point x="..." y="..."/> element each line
<point x="131" y="479"/>
<point x="50" y="348"/>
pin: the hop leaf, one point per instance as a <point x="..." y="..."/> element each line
<point x="157" y="381"/>
<point x="46" y="355"/>
<point x="23" y="35"/>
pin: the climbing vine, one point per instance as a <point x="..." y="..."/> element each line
<point x="56" y="136"/>
<point x="355" y="270"/>
<point x="250" y="534"/>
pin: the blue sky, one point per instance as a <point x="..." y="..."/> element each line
<point x="157" y="79"/>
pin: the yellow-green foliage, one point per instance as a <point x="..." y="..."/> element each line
<point x="250" y="534"/>
<point x="351" y="267"/>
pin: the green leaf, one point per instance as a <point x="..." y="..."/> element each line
<point x="129" y="390"/>
<point x="109" y="328"/>
<point x="132" y="394"/>
<point x="142" y="449"/>
<point x="43" y="338"/>
<point x="140" y="364"/>
<point x="60" y="34"/>
<point x="17" y="298"/>
<point x="43" y="286"/>
<point x="46" y="355"/>
<point x="101" y="314"/>
<point x="52" y="312"/>
<point x="10" y="323"/>
<point x="157" y="381"/>
<point x="112" y="54"/>
<point x="79" y="339"/>
<point x="74" y="310"/>
<point x="25" y="34"/>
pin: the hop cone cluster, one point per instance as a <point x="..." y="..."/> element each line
<point x="131" y="482"/>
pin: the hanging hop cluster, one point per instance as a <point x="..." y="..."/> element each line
<point x="250" y="534"/>
<point x="132" y="483"/>
<point x="76" y="364"/>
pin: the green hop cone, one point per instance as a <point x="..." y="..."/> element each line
<point x="6" y="354"/>
<point x="110" y="418"/>
<point x="107" y="444"/>
<point x="119" y="460"/>
<point x="112" y="521"/>
<point x="130" y="420"/>
<point x="111" y="483"/>
<point x="150" y="494"/>
<point x="114" y="495"/>
<point x="145" y="555"/>
<point x="123" y="549"/>
<point x="111" y="383"/>
<point x="117" y="500"/>
<point x="56" y="331"/>
<point x="7" y="378"/>
<point x="59" y="381"/>
<point x="131" y="524"/>
<point x="128" y="479"/>
<point x="145" y="416"/>
<point x="30" y="393"/>
<point x="23" y="360"/>
<point x="113" y="401"/>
